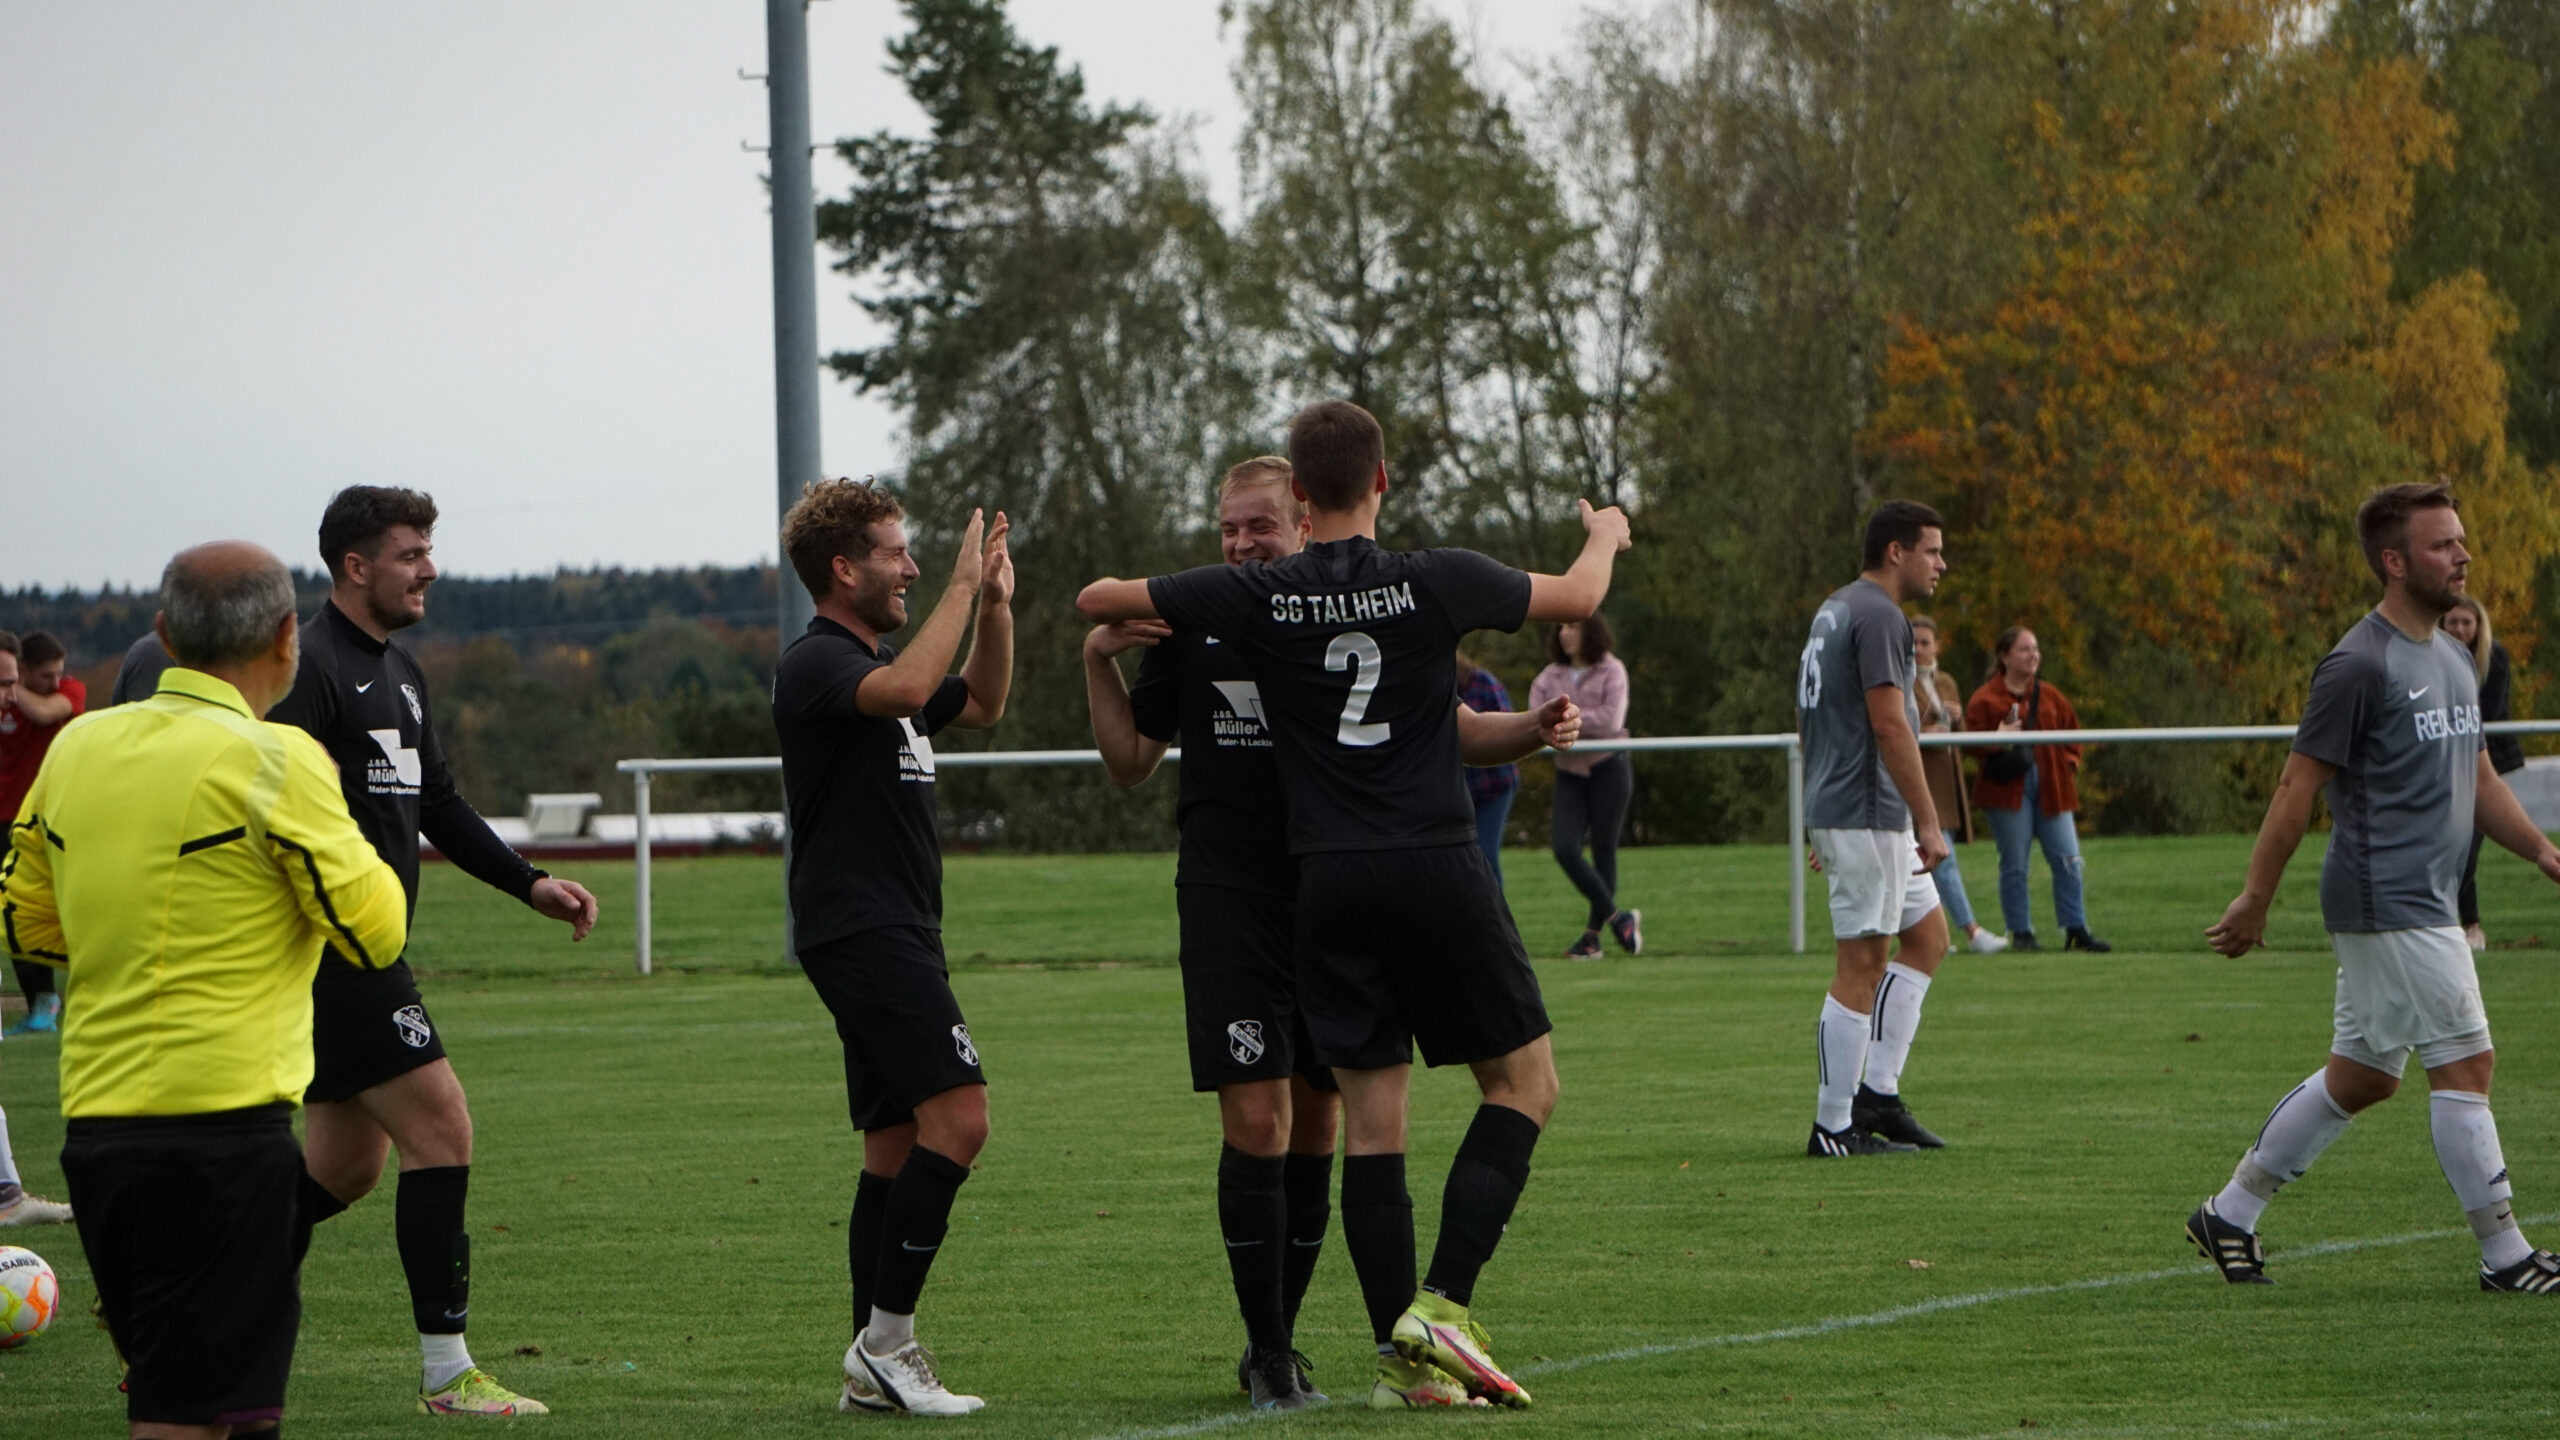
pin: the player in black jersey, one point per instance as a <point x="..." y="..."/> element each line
<point x="857" y="717"/>
<point x="1236" y="890"/>
<point x="1402" y="935"/>
<point x="380" y="1077"/>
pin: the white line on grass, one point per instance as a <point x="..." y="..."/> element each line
<point x="1838" y="1323"/>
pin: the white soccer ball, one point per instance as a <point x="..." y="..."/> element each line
<point x="28" y="1296"/>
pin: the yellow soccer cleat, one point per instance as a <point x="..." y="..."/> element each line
<point x="473" y="1393"/>
<point x="1435" y="1331"/>
<point x="1406" y="1385"/>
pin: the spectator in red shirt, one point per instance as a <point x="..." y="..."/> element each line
<point x="36" y="701"/>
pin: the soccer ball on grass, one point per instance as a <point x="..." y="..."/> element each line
<point x="28" y="1296"/>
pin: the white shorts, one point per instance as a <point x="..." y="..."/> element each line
<point x="2400" y="990"/>
<point x="1877" y="886"/>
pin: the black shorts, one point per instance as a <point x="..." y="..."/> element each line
<point x="905" y="1040"/>
<point x="1240" y="988"/>
<point x="367" y="1026"/>
<point x="1403" y="946"/>
<point x="188" y="1222"/>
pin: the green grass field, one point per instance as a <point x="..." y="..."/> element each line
<point x="664" y="1168"/>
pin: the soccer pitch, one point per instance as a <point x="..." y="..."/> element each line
<point x="663" y="1171"/>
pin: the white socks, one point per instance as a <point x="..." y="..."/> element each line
<point x="1840" y="1055"/>
<point x="2297" y="1130"/>
<point x="2466" y="1137"/>
<point x="888" y="1334"/>
<point x="1897" y="1019"/>
<point x="445" y="1356"/>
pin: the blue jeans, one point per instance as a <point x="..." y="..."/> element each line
<point x="1490" y="818"/>
<point x="2016" y="832"/>
<point x="1949" y="878"/>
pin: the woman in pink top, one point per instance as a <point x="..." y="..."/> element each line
<point x="1591" y="789"/>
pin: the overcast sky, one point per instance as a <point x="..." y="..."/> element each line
<point x="505" y="250"/>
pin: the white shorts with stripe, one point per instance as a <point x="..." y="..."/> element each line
<point x="2404" y="990"/>
<point x="1877" y="885"/>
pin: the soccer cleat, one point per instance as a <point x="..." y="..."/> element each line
<point x="1986" y="943"/>
<point x="906" y="1380"/>
<point x="2024" y="940"/>
<point x="2535" y="1274"/>
<point x="1404" y="1385"/>
<point x="2081" y="939"/>
<point x="1887" y="1118"/>
<point x="1272" y="1380"/>
<point x="473" y="1393"/>
<point x="1827" y="1144"/>
<point x="1628" y="927"/>
<point x="2234" y="1251"/>
<point x="1306" y="1375"/>
<point x="1435" y="1330"/>
<point x="44" y="1017"/>
<point x="1586" y="948"/>
<point x="859" y="1392"/>
<point x="36" y="1210"/>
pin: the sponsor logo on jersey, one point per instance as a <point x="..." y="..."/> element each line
<point x="1358" y="607"/>
<point x="417" y="709"/>
<point x="396" y="770"/>
<point x="411" y="1022"/>
<point x="1244" y="1040"/>
<point x="1243" y="723"/>
<point x="915" y="759"/>
<point x="2446" y="722"/>
<point x="960" y="1042"/>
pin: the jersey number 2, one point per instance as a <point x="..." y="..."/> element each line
<point x="1358" y="654"/>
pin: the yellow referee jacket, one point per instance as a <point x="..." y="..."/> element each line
<point x="181" y="861"/>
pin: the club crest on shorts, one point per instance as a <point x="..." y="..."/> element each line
<point x="411" y="1022"/>
<point x="1244" y="1040"/>
<point x="960" y="1042"/>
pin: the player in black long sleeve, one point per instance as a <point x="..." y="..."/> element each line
<point x="1402" y="935"/>
<point x="380" y="1076"/>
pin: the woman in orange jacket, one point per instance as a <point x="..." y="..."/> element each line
<point x="2036" y="806"/>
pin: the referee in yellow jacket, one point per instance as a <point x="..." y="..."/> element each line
<point x="181" y="861"/>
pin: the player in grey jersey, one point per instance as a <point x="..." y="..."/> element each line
<point x="1875" y="835"/>
<point x="2392" y="729"/>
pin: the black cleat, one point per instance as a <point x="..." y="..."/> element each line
<point x="2234" y="1251"/>
<point x="1827" y="1144"/>
<point x="2081" y="939"/>
<point x="2023" y="940"/>
<point x="1887" y="1118"/>
<point x="1306" y="1375"/>
<point x="1274" y="1382"/>
<point x="2535" y="1274"/>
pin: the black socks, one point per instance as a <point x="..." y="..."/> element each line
<point x="913" y="1222"/>
<point x="435" y="1246"/>
<point x="1484" y="1184"/>
<point x="1253" y="1215"/>
<point x="1308" y="1183"/>
<point x="1377" y="1228"/>
<point x="862" y="1240"/>
<point x="312" y="1204"/>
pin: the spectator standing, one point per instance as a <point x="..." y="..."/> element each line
<point x="1591" y="790"/>
<point x="36" y="701"/>
<point x="1491" y="787"/>
<point x="2035" y="806"/>
<point x="2468" y="623"/>
<point x="1942" y="711"/>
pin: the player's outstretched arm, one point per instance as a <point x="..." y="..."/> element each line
<point x="2501" y="817"/>
<point x="989" y="673"/>
<point x="1570" y="598"/>
<point x="1106" y="601"/>
<point x="1508" y="735"/>
<point x="2244" y="924"/>
<point x="900" y="688"/>
<point x="1900" y="751"/>
<point x="43" y="709"/>
<point x="1127" y="755"/>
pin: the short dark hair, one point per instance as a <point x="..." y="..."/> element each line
<point x="1897" y="522"/>
<point x="1597" y="642"/>
<point x="1335" y="449"/>
<point x="2382" y="521"/>
<point x="38" y="647"/>
<point x="360" y="515"/>
<point x="8" y="642"/>
<point x="832" y="518"/>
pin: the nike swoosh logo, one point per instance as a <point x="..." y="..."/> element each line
<point x="1242" y="1244"/>
<point x="364" y="687"/>
<point x="913" y="1248"/>
<point x="2421" y="690"/>
<point x="1306" y="1244"/>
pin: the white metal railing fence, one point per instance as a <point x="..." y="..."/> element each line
<point x="640" y="772"/>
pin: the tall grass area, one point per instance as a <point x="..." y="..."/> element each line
<point x="663" y="1169"/>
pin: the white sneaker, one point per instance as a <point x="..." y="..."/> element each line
<point x="1986" y="943"/>
<point x="859" y="1392"/>
<point x="906" y="1380"/>
<point x="36" y="1210"/>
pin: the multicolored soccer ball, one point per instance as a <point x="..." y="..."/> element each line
<point x="28" y="1296"/>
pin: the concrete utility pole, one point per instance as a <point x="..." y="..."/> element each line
<point x="795" y="286"/>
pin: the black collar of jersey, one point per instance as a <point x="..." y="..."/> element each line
<point x="348" y="630"/>
<point x="821" y="625"/>
<point x="1338" y="556"/>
